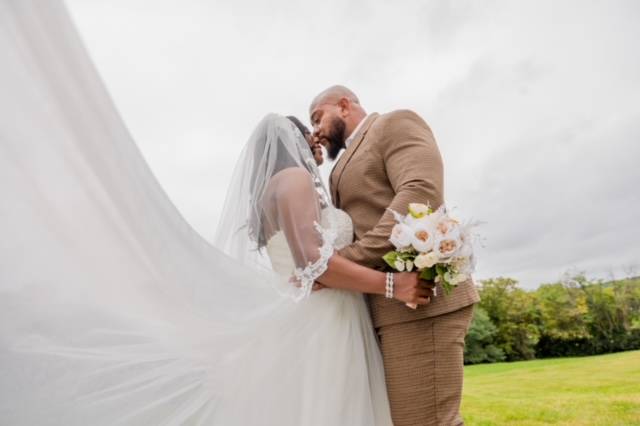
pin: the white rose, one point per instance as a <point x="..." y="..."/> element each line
<point x="447" y="247"/>
<point x="399" y="264"/>
<point x="447" y="227"/>
<point x="401" y="236"/>
<point x="426" y="260"/>
<point x="418" y="210"/>
<point x="427" y="220"/>
<point x="423" y="236"/>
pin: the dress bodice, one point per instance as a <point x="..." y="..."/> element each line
<point x="331" y="218"/>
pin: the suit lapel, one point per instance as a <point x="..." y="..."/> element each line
<point x="338" y="169"/>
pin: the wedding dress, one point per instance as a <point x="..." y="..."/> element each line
<point x="278" y="248"/>
<point x="113" y="310"/>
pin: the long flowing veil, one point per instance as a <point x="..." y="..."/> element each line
<point x="96" y="265"/>
<point x="113" y="310"/>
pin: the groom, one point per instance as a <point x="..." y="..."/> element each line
<point x="392" y="160"/>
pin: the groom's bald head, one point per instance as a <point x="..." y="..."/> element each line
<point x="332" y="95"/>
<point x="334" y="114"/>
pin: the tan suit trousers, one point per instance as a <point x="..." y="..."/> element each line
<point x="423" y="362"/>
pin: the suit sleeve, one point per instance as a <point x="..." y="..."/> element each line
<point x="415" y="172"/>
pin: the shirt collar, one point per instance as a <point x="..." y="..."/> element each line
<point x="355" y="132"/>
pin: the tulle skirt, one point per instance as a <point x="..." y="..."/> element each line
<point x="312" y="363"/>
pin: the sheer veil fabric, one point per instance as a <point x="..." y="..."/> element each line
<point x="276" y="187"/>
<point x="113" y="310"/>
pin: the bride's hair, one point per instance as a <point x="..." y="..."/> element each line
<point x="303" y="129"/>
<point x="271" y="155"/>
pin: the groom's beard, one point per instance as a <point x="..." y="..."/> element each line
<point x="336" y="138"/>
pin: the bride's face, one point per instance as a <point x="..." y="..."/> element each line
<point x="316" y="149"/>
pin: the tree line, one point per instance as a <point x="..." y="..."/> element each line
<point x="572" y="318"/>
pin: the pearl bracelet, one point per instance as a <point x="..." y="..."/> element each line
<point x="389" y="286"/>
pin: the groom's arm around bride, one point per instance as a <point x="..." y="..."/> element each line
<point x="392" y="160"/>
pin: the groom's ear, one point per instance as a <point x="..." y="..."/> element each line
<point x="345" y="106"/>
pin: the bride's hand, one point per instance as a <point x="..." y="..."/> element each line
<point x="408" y="288"/>
<point x="318" y="286"/>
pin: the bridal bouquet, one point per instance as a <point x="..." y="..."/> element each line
<point x="433" y="243"/>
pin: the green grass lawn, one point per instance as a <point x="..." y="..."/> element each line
<point x="597" y="390"/>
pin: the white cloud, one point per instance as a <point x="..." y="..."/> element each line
<point x="534" y="104"/>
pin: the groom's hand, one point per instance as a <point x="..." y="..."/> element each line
<point x="408" y="288"/>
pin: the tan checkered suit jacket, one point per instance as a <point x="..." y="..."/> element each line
<point x="391" y="162"/>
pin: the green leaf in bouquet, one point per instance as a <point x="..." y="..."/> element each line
<point x="428" y="274"/>
<point x="447" y="287"/>
<point x="408" y="250"/>
<point x="444" y="278"/>
<point x="391" y="258"/>
<point x="407" y="255"/>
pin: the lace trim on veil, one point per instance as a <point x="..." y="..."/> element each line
<point x="307" y="276"/>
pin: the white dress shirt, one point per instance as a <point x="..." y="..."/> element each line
<point x="355" y="132"/>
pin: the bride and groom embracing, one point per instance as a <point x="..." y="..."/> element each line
<point x="391" y="160"/>
<point x="113" y="310"/>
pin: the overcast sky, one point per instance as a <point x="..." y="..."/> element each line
<point x="535" y="105"/>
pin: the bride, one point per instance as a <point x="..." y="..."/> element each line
<point x="114" y="311"/>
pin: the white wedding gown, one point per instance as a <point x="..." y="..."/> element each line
<point x="346" y="348"/>
<point x="112" y="309"/>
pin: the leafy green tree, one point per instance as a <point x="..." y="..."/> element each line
<point x="563" y="330"/>
<point x="577" y="317"/>
<point x="612" y="314"/>
<point x="514" y="313"/>
<point x="479" y="343"/>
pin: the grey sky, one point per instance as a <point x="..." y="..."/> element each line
<point x="534" y="105"/>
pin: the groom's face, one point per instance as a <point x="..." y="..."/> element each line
<point x="329" y="128"/>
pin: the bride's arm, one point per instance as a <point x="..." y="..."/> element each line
<point x="293" y="204"/>
<point x="345" y="274"/>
